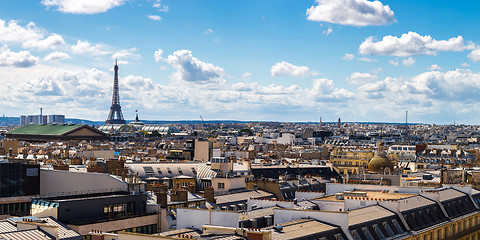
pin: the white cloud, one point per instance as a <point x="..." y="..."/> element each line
<point x="465" y="65"/>
<point x="351" y="12"/>
<point x="361" y="78"/>
<point x="348" y="57"/>
<point x="190" y="69"/>
<point x="287" y="69"/>
<point x="411" y="44"/>
<point x="159" y="6"/>
<point x="51" y="42"/>
<point x="154" y="17"/>
<point x="394" y="63"/>
<point x="351" y="57"/>
<point x="408" y="62"/>
<point x="435" y="67"/>
<point x="208" y="31"/>
<point x="475" y="55"/>
<point x="16" y="59"/>
<point x="158" y="55"/>
<point x="125" y="54"/>
<point x="328" y="31"/>
<point x="29" y="36"/>
<point x="83" y="6"/>
<point x="247" y="75"/>
<point x="56" y="56"/>
<point x="83" y="47"/>
<point x="365" y="59"/>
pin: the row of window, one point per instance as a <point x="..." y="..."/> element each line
<point x="119" y="210"/>
<point x="384" y="230"/>
<point x="148" y="229"/>
<point x="149" y="171"/>
<point x="447" y="231"/>
<point x="340" y="163"/>
<point x="11" y="208"/>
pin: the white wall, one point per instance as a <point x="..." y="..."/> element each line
<point x="268" y="203"/>
<point x="329" y="205"/>
<point x="308" y="195"/>
<point x="352" y="204"/>
<point x="54" y="182"/>
<point x="196" y="218"/>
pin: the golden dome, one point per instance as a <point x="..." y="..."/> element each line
<point x="379" y="163"/>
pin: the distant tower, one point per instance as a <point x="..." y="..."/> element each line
<point x="406" y="121"/>
<point x="115" y="116"/>
<point x="320" y="125"/>
<point x="339" y="122"/>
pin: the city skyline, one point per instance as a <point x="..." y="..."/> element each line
<point x="362" y="61"/>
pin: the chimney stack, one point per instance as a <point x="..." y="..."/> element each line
<point x="191" y="188"/>
<point x="162" y="198"/>
<point x="209" y="194"/>
<point x="179" y="195"/>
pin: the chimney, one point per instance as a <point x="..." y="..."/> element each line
<point x="191" y="188"/>
<point x="179" y="195"/>
<point x="162" y="198"/>
<point x="160" y="188"/>
<point x="209" y="194"/>
<point x="255" y="187"/>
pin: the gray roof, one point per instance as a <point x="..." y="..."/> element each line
<point x="33" y="234"/>
<point x="6" y="226"/>
<point x="241" y="196"/>
<point x="8" y="229"/>
<point x="368" y="214"/>
<point x="170" y="170"/>
<point x="300" y="228"/>
<point x="413" y="203"/>
<point x="257" y="213"/>
<point x="448" y="194"/>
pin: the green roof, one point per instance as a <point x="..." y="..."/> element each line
<point x="46" y="129"/>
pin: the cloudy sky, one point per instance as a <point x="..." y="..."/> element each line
<point x="273" y="60"/>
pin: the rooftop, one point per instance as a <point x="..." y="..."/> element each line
<point x="45" y="129"/>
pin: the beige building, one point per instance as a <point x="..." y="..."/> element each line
<point x="350" y="160"/>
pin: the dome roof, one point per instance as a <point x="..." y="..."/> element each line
<point x="379" y="163"/>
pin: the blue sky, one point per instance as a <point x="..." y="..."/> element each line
<point x="282" y="60"/>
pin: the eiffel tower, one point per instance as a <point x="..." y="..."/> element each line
<point x="115" y="116"/>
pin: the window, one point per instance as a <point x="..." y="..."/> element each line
<point x="389" y="229"/>
<point x="397" y="226"/>
<point x="378" y="231"/>
<point x="367" y="233"/>
<point x="180" y="171"/>
<point x="194" y="171"/>
<point x="169" y="170"/>
<point x="159" y="171"/>
<point x="118" y="210"/>
<point x="149" y="171"/>
<point x="221" y="185"/>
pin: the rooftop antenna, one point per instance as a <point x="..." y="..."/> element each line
<point x="406" y="121"/>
